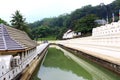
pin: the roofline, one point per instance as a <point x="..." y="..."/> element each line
<point x="30" y="48"/>
<point x="20" y="50"/>
<point x="17" y="50"/>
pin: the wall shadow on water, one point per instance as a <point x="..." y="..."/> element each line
<point x="62" y="59"/>
<point x="56" y="58"/>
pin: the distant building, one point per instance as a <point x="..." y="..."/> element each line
<point x="70" y="34"/>
<point x="101" y="21"/>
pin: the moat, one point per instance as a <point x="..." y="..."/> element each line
<point x="60" y="64"/>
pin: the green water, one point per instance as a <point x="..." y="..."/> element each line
<point x="59" y="64"/>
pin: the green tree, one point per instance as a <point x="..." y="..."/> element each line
<point x="18" y="22"/>
<point x="78" y="20"/>
<point x="86" y="24"/>
<point x="61" y="32"/>
<point x="4" y="22"/>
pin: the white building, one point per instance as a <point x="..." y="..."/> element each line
<point x="70" y="34"/>
<point x="101" y="21"/>
<point x="17" y="50"/>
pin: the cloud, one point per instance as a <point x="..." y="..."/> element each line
<point x="37" y="9"/>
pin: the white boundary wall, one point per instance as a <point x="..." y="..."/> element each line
<point x="26" y="58"/>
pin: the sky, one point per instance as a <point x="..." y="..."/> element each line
<point x="34" y="10"/>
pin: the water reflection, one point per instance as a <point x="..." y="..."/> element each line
<point x="65" y="66"/>
<point x="47" y="73"/>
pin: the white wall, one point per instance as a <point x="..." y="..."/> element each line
<point x="25" y="60"/>
<point x="107" y="30"/>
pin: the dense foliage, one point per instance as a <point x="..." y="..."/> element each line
<point x="79" y="20"/>
<point x="85" y="24"/>
<point x="18" y="22"/>
<point x="3" y="22"/>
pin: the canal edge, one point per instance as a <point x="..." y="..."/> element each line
<point x="29" y="70"/>
<point x="108" y="65"/>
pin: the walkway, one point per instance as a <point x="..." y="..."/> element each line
<point x="99" y="47"/>
<point x="30" y="69"/>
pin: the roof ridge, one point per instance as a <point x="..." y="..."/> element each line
<point x="14" y="39"/>
<point x="8" y="42"/>
<point x="3" y="37"/>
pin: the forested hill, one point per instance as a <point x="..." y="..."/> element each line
<point x="79" y="20"/>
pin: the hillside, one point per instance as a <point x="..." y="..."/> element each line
<point x="80" y="20"/>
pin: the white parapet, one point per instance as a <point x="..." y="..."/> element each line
<point x="104" y="42"/>
<point x="107" y="30"/>
<point x="106" y="48"/>
<point x="11" y="66"/>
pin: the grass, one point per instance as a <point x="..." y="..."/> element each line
<point x="47" y="38"/>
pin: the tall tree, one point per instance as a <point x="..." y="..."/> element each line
<point x="18" y="21"/>
<point x="85" y="24"/>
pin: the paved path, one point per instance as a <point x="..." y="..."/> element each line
<point x="109" y="53"/>
<point x="30" y="69"/>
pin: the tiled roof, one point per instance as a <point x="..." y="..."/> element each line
<point x="13" y="39"/>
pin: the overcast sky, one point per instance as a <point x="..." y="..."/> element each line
<point x="34" y="10"/>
